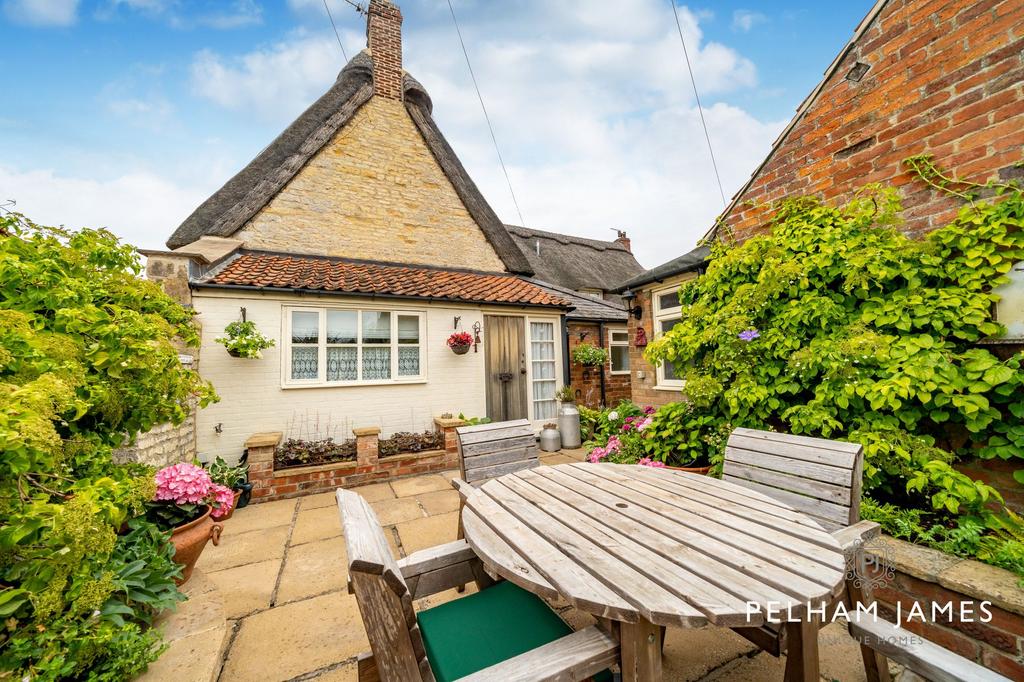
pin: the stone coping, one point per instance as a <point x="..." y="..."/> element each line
<point x="336" y="466"/>
<point x="270" y="439"/>
<point x="966" y="576"/>
<point x="445" y="423"/>
<point x="366" y="431"/>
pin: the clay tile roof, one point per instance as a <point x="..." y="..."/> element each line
<point x="338" y="275"/>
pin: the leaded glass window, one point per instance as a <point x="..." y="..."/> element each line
<point x="305" y="337"/>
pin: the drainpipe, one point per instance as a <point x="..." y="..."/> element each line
<point x="600" y="344"/>
<point x="566" y="377"/>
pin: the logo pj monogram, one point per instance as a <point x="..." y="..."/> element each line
<point x="870" y="564"/>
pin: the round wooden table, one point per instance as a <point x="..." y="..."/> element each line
<point x="652" y="547"/>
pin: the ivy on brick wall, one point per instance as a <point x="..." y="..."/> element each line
<point x="837" y="325"/>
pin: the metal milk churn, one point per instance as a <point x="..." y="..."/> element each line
<point x="550" y="440"/>
<point x="569" y="425"/>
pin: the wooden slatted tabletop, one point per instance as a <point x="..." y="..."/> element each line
<point x="652" y="547"/>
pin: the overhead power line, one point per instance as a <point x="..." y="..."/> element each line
<point x="487" y="118"/>
<point x="700" y="109"/>
<point x="336" y="35"/>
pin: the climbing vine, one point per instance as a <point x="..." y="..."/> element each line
<point x="837" y="325"/>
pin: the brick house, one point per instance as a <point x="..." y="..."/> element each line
<point x="938" y="77"/>
<point x="585" y="271"/>
<point x="358" y="243"/>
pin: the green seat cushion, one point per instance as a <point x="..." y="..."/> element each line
<point x="478" y="631"/>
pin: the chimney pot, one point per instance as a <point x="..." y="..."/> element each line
<point x="624" y="240"/>
<point x="384" y="39"/>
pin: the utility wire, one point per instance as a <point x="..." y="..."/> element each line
<point x="486" y="117"/>
<point x="336" y="35"/>
<point x="700" y="109"/>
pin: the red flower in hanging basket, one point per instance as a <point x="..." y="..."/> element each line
<point x="460" y="339"/>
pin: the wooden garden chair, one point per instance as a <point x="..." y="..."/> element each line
<point x="487" y="451"/>
<point x="822" y="479"/>
<point x="500" y="633"/>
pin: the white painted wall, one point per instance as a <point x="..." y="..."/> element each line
<point x="253" y="399"/>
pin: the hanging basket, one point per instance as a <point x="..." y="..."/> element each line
<point x="460" y="350"/>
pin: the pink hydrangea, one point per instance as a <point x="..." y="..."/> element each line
<point x="644" y="424"/>
<point x="596" y="455"/>
<point x="649" y="410"/>
<point x="648" y="462"/>
<point x="224" y="499"/>
<point x="613" y="444"/>
<point x="183" y="483"/>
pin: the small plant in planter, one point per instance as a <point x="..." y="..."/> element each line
<point x="244" y="341"/>
<point x="460" y="342"/>
<point x="589" y="355"/>
<point x="566" y="394"/>
<point x="234" y="478"/>
<point x="186" y="502"/>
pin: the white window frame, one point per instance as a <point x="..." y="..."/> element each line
<point x="556" y="342"/>
<point x="612" y="331"/>
<point x="661" y="314"/>
<point x="321" y="380"/>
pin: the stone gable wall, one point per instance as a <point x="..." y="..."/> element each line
<point x="374" y="192"/>
<point x="946" y="79"/>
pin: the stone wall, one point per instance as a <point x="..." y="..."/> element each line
<point x="162" y="445"/>
<point x="376" y="192"/>
<point x="587" y="380"/>
<point x="925" y="576"/>
<point x="945" y="79"/>
<point x="270" y="484"/>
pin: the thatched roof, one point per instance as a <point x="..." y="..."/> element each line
<point x="688" y="262"/>
<point x="244" y="195"/>
<point x="575" y="262"/>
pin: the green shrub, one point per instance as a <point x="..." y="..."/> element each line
<point x="590" y="355"/>
<point x="837" y="325"/>
<point x="87" y="359"/>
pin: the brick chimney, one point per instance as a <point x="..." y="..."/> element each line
<point x="624" y="240"/>
<point x="384" y="38"/>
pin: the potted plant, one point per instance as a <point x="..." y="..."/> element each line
<point x="186" y="502"/>
<point x="460" y="342"/>
<point x="243" y="340"/>
<point x="233" y="478"/>
<point x="566" y="394"/>
<point x="589" y="355"/>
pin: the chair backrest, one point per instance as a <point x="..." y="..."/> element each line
<point x="490" y="450"/>
<point x="384" y="599"/>
<point x="819" y="477"/>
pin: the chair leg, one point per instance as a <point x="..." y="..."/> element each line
<point x="664" y="631"/>
<point x="461" y="535"/>
<point x="876" y="667"/>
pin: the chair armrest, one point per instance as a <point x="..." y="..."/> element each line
<point x="462" y="487"/>
<point x="576" y="657"/>
<point x="861" y="531"/>
<point x="440" y="568"/>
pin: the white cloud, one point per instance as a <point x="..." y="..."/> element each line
<point x="744" y="20"/>
<point x="42" y="12"/>
<point x="141" y="208"/>
<point x="237" y="14"/>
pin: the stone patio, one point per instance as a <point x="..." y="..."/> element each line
<point x="280" y="572"/>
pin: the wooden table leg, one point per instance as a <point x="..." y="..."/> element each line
<point x="802" y="651"/>
<point x="641" y="651"/>
<point x="876" y="667"/>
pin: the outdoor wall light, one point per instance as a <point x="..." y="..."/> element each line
<point x="628" y="296"/>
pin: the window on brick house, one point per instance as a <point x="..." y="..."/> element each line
<point x="618" y="350"/>
<point x="342" y="346"/>
<point x="667" y="314"/>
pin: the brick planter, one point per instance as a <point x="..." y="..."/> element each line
<point x="269" y="484"/>
<point x="925" y="576"/>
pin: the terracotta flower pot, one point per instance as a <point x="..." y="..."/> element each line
<point x="702" y="471"/>
<point x="234" y="506"/>
<point x="190" y="539"/>
<point x="460" y="350"/>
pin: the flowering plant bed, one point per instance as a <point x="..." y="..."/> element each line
<point x="404" y="443"/>
<point x="296" y="452"/>
<point x="184" y="493"/>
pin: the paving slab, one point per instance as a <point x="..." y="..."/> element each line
<point x="439" y="502"/>
<point x="195" y="658"/>
<point x="690" y="654"/>
<point x="760" y="668"/>
<point x="390" y="512"/>
<point x="296" y="638"/>
<point x="404" y="487"/>
<point x="247" y="588"/>
<point x="375" y="491"/>
<point x="316" y="524"/>
<point x="442" y="597"/>
<point x="840" y="654"/>
<point x="423" y="533"/>
<point x="556" y="458"/>
<point x="237" y="549"/>
<point x="262" y="515"/>
<point x="343" y="673"/>
<point x="449" y="474"/>
<point x="313" y="568"/>
<point x="327" y="499"/>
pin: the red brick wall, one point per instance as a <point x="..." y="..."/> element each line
<point x="384" y="38"/>
<point x="946" y="79"/>
<point x="587" y="380"/>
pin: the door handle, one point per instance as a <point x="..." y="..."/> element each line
<point x="505" y="376"/>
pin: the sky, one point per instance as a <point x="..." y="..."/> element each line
<point x="127" y="114"/>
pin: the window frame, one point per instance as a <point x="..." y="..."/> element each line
<point x="556" y="360"/>
<point x="612" y="331"/>
<point x="661" y="314"/>
<point x="322" y="345"/>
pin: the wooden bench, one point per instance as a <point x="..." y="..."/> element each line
<point x="487" y="451"/>
<point x="385" y="589"/>
<point x="929" y="660"/>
